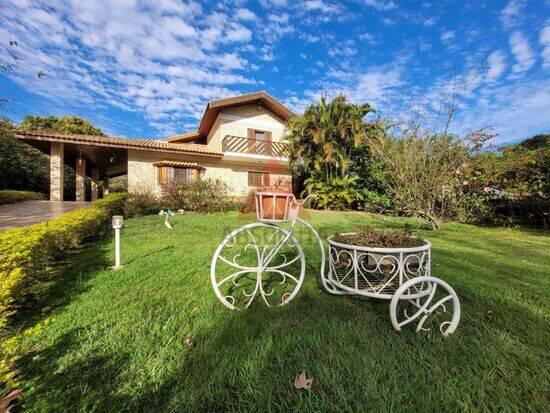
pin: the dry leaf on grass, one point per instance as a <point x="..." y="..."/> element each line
<point x="8" y="402"/>
<point x="47" y="309"/>
<point x="302" y="382"/>
<point x="188" y="342"/>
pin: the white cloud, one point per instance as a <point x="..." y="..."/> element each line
<point x="268" y="4"/>
<point x="238" y="34"/>
<point x="544" y="40"/>
<point x="525" y="58"/>
<point x="161" y="58"/>
<point x="496" y="65"/>
<point x="322" y="6"/>
<point x="245" y="14"/>
<point x="447" y="36"/>
<point x="381" y="4"/>
<point x="511" y="13"/>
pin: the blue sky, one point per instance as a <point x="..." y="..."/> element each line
<point x="147" y="68"/>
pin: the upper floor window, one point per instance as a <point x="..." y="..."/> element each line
<point x="259" y="142"/>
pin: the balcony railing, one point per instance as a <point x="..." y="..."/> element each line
<point x="255" y="147"/>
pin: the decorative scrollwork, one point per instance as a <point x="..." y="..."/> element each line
<point x="263" y="257"/>
<point x="440" y="292"/>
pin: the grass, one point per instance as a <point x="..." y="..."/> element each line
<point x="118" y="339"/>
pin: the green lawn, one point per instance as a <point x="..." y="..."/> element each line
<point x="118" y="340"/>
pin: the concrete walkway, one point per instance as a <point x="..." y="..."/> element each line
<point x="26" y="213"/>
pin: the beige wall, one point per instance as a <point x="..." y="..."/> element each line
<point x="237" y="121"/>
<point x="142" y="174"/>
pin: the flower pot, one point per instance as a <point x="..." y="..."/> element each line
<point x="273" y="206"/>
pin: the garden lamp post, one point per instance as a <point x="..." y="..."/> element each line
<point x="118" y="223"/>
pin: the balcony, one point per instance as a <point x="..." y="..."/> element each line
<point x="255" y="148"/>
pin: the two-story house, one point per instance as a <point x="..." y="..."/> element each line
<point x="239" y="139"/>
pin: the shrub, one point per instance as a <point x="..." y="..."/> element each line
<point x="10" y="197"/>
<point x="336" y="193"/>
<point x="113" y="204"/>
<point x="204" y="195"/>
<point x="142" y="203"/>
<point x="424" y="176"/>
<point x="26" y="253"/>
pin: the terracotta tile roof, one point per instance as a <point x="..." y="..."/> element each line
<point x="179" y="164"/>
<point x="183" y="137"/>
<point x="126" y="143"/>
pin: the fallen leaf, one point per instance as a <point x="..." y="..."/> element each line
<point x="188" y="342"/>
<point x="489" y="315"/>
<point x="302" y="382"/>
<point x="46" y="309"/>
<point x="8" y="402"/>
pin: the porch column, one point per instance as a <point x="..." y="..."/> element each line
<point x="80" y="177"/>
<point x="57" y="152"/>
<point x="95" y="183"/>
<point x="105" y="185"/>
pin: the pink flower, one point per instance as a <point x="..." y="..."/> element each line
<point x="487" y="189"/>
<point x="465" y="183"/>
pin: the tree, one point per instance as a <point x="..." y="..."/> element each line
<point x="26" y="168"/>
<point x="70" y="125"/>
<point x="323" y="138"/>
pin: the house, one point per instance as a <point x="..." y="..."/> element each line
<point x="239" y="139"/>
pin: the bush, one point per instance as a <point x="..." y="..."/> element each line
<point x="142" y="203"/>
<point x="336" y="193"/>
<point x="204" y="195"/>
<point x="10" y="197"/>
<point x="26" y="253"/>
<point x="113" y="204"/>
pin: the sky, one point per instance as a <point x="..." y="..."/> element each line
<point x="147" y="68"/>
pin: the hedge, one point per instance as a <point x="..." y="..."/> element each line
<point x="8" y="196"/>
<point x="26" y="253"/>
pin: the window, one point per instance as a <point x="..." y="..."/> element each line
<point x="258" y="178"/>
<point x="259" y="142"/>
<point x="177" y="175"/>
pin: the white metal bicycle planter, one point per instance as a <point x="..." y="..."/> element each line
<point x="264" y="259"/>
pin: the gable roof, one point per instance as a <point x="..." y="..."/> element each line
<point x="214" y="107"/>
<point x="124" y="143"/>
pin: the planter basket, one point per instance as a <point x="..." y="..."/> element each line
<point x="276" y="206"/>
<point x="376" y="272"/>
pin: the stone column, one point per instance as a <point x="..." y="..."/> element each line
<point x="80" y="177"/>
<point x="95" y="183"/>
<point x="57" y="153"/>
<point x="105" y="185"/>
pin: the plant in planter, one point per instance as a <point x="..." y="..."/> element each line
<point x="376" y="262"/>
<point x="392" y="265"/>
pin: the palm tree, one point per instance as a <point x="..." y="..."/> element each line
<point x="323" y="138"/>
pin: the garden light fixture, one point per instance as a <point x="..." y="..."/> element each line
<point x="118" y="223"/>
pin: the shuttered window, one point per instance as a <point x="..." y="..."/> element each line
<point x="166" y="174"/>
<point x="259" y="142"/>
<point x="258" y="178"/>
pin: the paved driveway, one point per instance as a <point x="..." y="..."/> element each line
<point x="26" y="213"/>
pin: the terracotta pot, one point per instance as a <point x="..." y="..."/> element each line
<point x="280" y="207"/>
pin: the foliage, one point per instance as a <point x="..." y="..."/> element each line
<point x="338" y="193"/>
<point x="201" y="195"/>
<point x="142" y="202"/>
<point x="26" y="258"/>
<point x="112" y="204"/>
<point x="69" y="125"/>
<point x="22" y="167"/>
<point x="513" y="183"/>
<point x="425" y="176"/>
<point x="10" y="196"/>
<point x="118" y="339"/>
<point x="365" y="236"/>
<point x="322" y="139"/>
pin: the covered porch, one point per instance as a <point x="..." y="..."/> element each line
<point x="99" y="162"/>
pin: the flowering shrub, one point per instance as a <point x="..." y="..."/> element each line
<point x="202" y="195"/>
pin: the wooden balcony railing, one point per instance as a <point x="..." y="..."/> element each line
<point x="256" y="147"/>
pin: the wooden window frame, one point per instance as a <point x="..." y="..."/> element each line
<point x="163" y="174"/>
<point x="252" y="142"/>
<point x="264" y="175"/>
